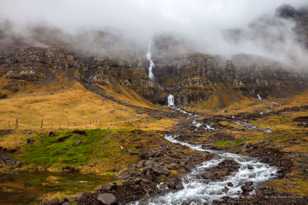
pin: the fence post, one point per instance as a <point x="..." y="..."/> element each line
<point x="42" y="124"/>
<point x="16" y="124"/>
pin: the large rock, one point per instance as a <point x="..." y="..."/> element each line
<point x="221" y="171"/>
<point x="107" y="198"/>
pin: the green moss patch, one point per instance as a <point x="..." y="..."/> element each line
<point x="227" y="144"/>
<point x="102" y="149"/>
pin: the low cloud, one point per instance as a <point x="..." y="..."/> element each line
<point x="220" y="27"/>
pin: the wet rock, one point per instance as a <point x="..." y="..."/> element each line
<point x="221" y="171"/>
<point x="247" y="188"/>
<point x="175" y="184"/>
<point x="107" y="199"/>
<point x="250" y="167"/>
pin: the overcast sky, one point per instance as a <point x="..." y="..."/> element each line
<point x="203" y="22"/>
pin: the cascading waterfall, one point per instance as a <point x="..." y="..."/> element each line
<point x="170" y="100"/>
<point x="151" y="63"/>
<point x="198" y="191"/>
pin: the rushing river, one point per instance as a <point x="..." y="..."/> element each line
<point x="199" y="191"/>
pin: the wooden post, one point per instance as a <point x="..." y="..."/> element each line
<point x="16" y="123"/>
<point x="42" y="124"/>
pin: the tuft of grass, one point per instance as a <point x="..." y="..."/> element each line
<point x="227" y="144"/>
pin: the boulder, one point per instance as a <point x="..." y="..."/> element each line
<point x="107" y="199"/>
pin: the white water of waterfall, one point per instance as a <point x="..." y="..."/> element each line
<point x="170" y="99"/>
<point x="151" y="63"/>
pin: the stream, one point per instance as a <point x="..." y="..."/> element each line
<point x="197" y="191"/>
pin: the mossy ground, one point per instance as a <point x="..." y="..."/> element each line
<point x="99" y="155"/>
<point x="286" y="136"/>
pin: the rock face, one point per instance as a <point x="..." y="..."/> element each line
<point x="189" y="77"/>
<point x="197" y="77"/>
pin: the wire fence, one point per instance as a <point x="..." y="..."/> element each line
<point x="56" y="124"/>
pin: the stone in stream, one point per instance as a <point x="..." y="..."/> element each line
<point x="221" y="171"/>
<point x="107" y="199"/>
<point x="247" y="188"/>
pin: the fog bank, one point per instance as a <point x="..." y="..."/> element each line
<point x="223" y="27"/>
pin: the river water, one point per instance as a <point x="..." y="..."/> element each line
<point x="197" y="191"/>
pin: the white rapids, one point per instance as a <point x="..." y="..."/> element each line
<point x="151" y="62"/>
<point x="198" y="191"/>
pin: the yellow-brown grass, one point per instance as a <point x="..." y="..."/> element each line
<point x="72" y="106"/>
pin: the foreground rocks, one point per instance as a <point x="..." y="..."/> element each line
<point x="270" y="156"/>
<point x="158" y="171"/>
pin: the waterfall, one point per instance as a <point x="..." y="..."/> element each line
<point x="151" y="63"/>
<point x="259" y="97"/>
<point x="170" y="99"/>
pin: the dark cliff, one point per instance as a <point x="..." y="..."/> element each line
<point x="191" y="78"/>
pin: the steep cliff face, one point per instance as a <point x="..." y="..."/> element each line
<point x="118" y="74"/>
<point x="196" y="77"/>
<point x="22" y="67"/>
<point x="190" y="78"/>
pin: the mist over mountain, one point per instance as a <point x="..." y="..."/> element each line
<point x="219" y="27"/>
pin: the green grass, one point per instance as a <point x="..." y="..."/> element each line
<point x="99" y="155"/>
<point x="224" y="144"/>
<point x="99" y="150"/>
<point x="65" y="148"/>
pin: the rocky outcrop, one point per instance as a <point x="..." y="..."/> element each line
<point x="196" y="77"/>
<point x="190" y="78"/>
<point x="35" y="66"/>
